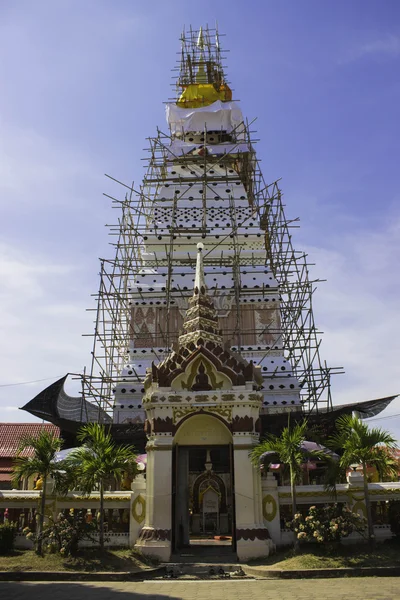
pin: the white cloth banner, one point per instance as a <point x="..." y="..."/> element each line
<point x="180" y="148"/>
<point x="219" y="116"/>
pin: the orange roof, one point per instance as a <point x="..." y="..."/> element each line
<point x="11" y="433"/>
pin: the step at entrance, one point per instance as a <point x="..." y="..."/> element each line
<point x="212" y="555"/>
<point x="206" y="570"/>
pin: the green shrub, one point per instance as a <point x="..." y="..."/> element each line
<point x="64" y="534"/>
<point x="326" y="524"/>
<point x="8" y="532"/>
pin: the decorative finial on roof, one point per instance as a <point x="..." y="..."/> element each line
<point x="201" y="321"/>
<point x="199" y="282"/>
<point x="200" y="39"/>
<point x="216" y="36"/>
<point x="201" y="75"/>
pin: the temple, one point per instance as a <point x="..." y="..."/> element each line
<point x="204" y="337"/>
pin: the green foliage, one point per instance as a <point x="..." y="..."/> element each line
<point x="287" y="446"/>
<point x="363" y="445"/>
<point x="99" y="462"/>
<point x="45" y="446"/>
<point x="64" y="534"/>
<point x="394" y="517"/>
<point x="326" y="524"/>
<point x="8" y="532"/>
<point x="42" y="463"/>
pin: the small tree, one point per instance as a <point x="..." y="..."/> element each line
<point x="98" y="462"/>
<point x="41" y="464"/>
<point x="361" y="444"/>
<point x="288" y="449"/>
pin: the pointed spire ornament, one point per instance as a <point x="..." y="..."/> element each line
<point x="217" y="37"/>
<point x="200" y="39"/>
<point x="199" y="281"/>
<point x="201" y="321"/>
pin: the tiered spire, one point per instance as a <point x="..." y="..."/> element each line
<point x="201" y="79"/>
<point x="201" y="321"/>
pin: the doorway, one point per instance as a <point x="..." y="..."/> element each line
<point x="203" y="498"/>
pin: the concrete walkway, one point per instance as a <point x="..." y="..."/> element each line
<point x="374" y="588"/>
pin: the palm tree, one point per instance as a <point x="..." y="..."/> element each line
<point x="288" y="450"/>
<point x="41" y="464"/>
<point x="363" y="445"/>
<point x="98" y="462"/>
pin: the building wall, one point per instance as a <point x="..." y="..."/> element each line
<point x="274" y="500"/>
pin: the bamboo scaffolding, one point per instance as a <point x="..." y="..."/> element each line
<point x="138" y="232"/>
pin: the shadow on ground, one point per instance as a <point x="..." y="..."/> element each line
<point x="77" y="591"/>
<point x="87" y="560"/>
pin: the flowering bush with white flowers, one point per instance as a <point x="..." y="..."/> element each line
<point x="326" y="524"/>
<point x="63" y="534"/>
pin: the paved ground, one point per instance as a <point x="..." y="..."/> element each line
<point x="364" y="588"/>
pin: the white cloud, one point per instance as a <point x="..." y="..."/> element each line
<point x="358" y="311"/>
<point x="41" y="324"/>
<point x="33" y="166"/>
<point x="388" y="46"/>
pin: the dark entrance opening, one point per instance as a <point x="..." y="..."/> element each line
<point x="203" y="499"/>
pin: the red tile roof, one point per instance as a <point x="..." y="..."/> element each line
<point x="11" y="433"/>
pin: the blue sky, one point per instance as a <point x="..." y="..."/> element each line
<point x="83" y="84"/>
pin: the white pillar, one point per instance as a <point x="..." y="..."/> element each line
<point x="155" y="537"/>
<point x="355" y="494"/>
<point x="270" y="508"/>
<point x="252" y="537"/>
<point x="137" y="508"/>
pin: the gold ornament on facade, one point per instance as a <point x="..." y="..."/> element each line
<point x="179" y="413"/>
<point x="139" y="509"/>
<point x="269" y="507"/>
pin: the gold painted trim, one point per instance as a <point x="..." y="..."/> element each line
<point x="269" y="516"/>
<point x="349" y="492"/>
<point x="139" y="501"/>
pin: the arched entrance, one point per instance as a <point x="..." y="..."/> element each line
<point x="203" y="512"/>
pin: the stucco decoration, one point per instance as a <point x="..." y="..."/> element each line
<point x="231" y="370"/>
<point x="179" y="413"/>
<point x="203" y="429"/>
<point x="222" y="301"/>
<point x="160" y="425"/>
<point x="201" y="375"/>
<point x="357" y="503"/>
<point x="207" y="481"/>
<point x="252" y="534"/>
<point x="360" y="508"/>
<point x="149" y="534"/>
<point x="242" y="424"/>
<point x="139" y="509"/>
<point x="269" y="507"/>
